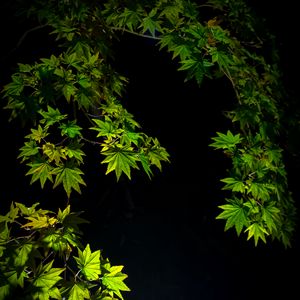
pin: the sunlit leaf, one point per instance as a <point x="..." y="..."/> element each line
<point x="257" y="231"/>
<point x="120" y="160"/>
<point x="89" y="263"/>
<point x="235" y="216"/>
<point x="69" y="177"/>
<point x="79" y="292"/>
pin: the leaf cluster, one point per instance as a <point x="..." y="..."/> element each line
<point x="42" y="257"/>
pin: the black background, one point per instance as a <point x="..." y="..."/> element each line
<point x="164" y="230"/>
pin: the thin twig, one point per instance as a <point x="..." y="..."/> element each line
<point x="27" y="32"/>
<point x="136" y="33"/>
<point x="21" y="40"/>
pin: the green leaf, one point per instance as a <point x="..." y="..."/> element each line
<point x="24" y="68"/>
<point x="257" y="231"/>
<point x="79" y="292"/>
<point x="51" y="116"/>
<point x="226" y="141"/>
<point x="74" y="150"/>
<point x="270" y="214"/>
<point x="40" y="171"/>
<point x="16" y="87"/>
<point x="261" y="190"/>
<point x="71" y="59"/>
<point x="38" y="134"/>
<point x="89" y="263"/>
<point x="234" y="185"/>
<point x="26" y="211"/>
<point x="84" y="81"/>
<point x="129" y="137"/>
<point x="114" y="280"/>
<point x="150" y="24"/>
<point x="69" y="90"/>
<point x="274" y="155"/>
<point x="145" y="164"/>
<point x="53" y="62"/>
<point x="183" y="51"/>
<point x="166" y="41"/>
<point x="72" y="221"/>
<point x="69" y="177"/>
<point x="171" y="12"/>
<point x="61" y="215"/>
<point x="155" y="153"/>
<point x="4" y="291"/>
<point x="106" y="128"/>
<point x="29" y="149"/>
<point x="120" y="159"/>
<point x="187" y="64"/>
<point x="235" y="216"/>
<point x="54" y="153"/>
<point x="23" y="254"/>
<point x="47" y="276"/>
<point x="222" y="58"/>
<point x="13" y="277"/>
<point x="71" y="129"/>
<point x="55" y="293"/>
<point x="195" y="68"/>
<point x="40" y="221"/>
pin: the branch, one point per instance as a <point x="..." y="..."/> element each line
<point x="27" y="32"/>
<point x="136" y="33"/>
<point x="21" y="40"/>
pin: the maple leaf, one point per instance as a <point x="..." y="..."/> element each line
<point x="40" y="221"/>
<point x="195" y="68"/>
<point x="106" y="128"/>
<point x="129" y="137"/>
<point x="51" y="116"/>
<point x="114" y="280"/>
<point x="226" y="141"/>
<point x="45" y="279"/>
<point x="40" y="171"/>
<point x="37" y="134"/>
<point x="53" y="152"/>
<point x="70" y="220"/>
<point x="261" y="190"/>
<point x="257" y="231"/>
<point x="15" y="87"/>
<point x="79" y="292"/>
<point x="183" y="51"/>
<point x="145" y="164"/>
<point x="71" y="129"/>
<point x="150" y="24"/>
<point x="156" y="154"/>
<point x="4" y="291"/>
<point x="235" y="215"/>
<point x="13" y="278"/>
<point x="23" y="254"/>
<point x="120" y="159"/>
<point x="26" y="211"/>
<point x="29" y="149"/>
<point x="74" y="150"/>
<point x="89" y="263"/>
<point x="69" y="177"/>
<point x="234" y="184"/>
<point x="270" y="214"/>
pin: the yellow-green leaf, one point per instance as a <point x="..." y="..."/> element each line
<point x="89" y="263"/>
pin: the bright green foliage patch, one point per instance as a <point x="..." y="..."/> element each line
<point x="40" y="263"/>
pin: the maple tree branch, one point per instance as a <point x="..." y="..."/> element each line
<point x="136" y="33"/>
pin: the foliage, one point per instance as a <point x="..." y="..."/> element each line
<point x="75" y="92"/>
<point x="38" y="251"/>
